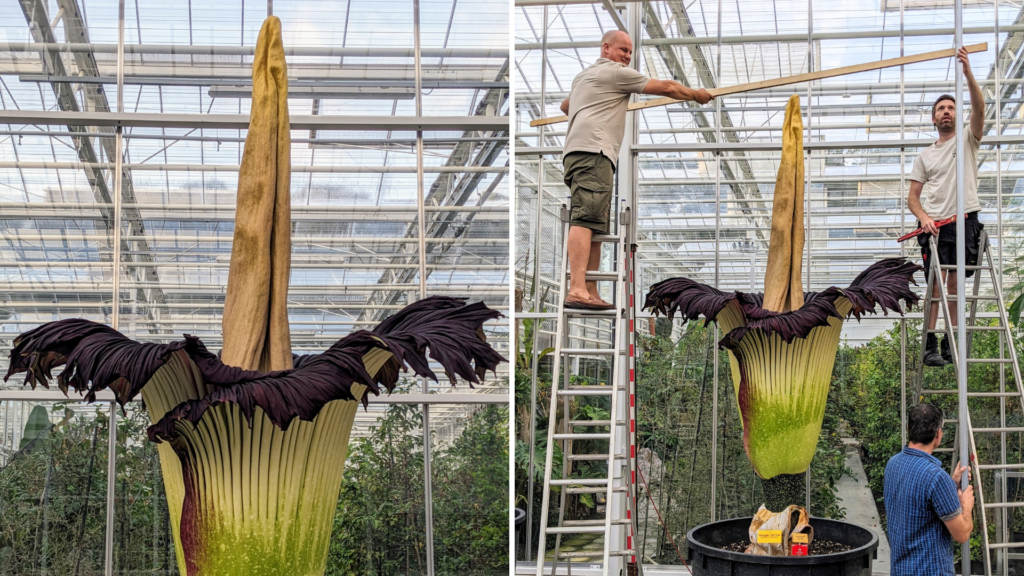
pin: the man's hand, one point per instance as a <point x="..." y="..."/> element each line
<point x="967" y="500"/>
<point x="702" y="96"/>
<point x="962" y="56"/>
<point x="959" y="472"/>
<point x="928" y="225"/>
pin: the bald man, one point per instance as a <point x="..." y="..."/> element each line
<point x="596" y="107"/>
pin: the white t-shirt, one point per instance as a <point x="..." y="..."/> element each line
<point x="597" y="107"/>
<point x="935" y="167"/>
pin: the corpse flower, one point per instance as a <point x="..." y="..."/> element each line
<point x="252" y="442"/>
<point x="782" y="344"/>
<point x="252" y="461"/>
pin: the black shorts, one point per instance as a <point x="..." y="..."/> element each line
<point x="947" y="244"/>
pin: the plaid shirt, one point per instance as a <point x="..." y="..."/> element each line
<point x="919" y="497"/>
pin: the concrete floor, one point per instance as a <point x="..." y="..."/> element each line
<point x="860" y="504"/>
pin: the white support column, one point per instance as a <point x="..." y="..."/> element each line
<point x="961" y="281"/>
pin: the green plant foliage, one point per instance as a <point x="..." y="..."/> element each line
<point x="379" y="525"/>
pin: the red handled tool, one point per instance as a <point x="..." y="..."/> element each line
<point x="919" y="231"/>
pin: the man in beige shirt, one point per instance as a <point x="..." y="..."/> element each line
<point x="933" y="197"/>
<point x="596" y="107"/>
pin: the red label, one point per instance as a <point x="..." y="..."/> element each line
<point x="798" y="550"/>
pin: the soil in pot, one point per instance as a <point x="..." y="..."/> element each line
<point x="816" y="548"/>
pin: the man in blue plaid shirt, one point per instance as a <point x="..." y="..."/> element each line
<point x="924" y="507"/>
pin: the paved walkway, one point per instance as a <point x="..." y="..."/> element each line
<point x="860" y="504"/>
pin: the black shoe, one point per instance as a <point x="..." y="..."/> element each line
<point x="932" y="356"/>
<point x="947" y="356"/>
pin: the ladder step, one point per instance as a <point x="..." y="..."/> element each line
<point x="993" y="545"/>
<point x="594" y="436"/>
<point x="596" y="423"/>
<point x="999" y="430"/>
<point x="615" y="521"/>
<point x="1005" y="505"/>
<point x="593" y="490"/>
<point x="536" y="315"/>
<point x="944" y="422"/>
<point x="953" y="267"/>
<point x="1000" y="466"/>
<point x="601" y="457"/>
<point x="942" y="450"/>
<point x="589" y="351"/>
<point x="600" y="276"/>
<point x="595" y="555"/>
<point x="588" y="391"/>
<point x="591" y="313"/>
<point x="576" y="530"/>
<point x="989" y="360"/>
<point x="967" y="297"/>
<point x="580" y="482"/>
<point x="975" y="394"/>
<point x="971" y="329"/>
<point x="605" y="238"/>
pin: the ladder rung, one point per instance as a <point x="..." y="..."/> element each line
<point x="953" y="267"/>
<point x="536" y="315"/>
<point x="993" y="545"/>
<point x="942" y="450"/>
<point x="580" y="482"/>
<point x="604" y="238"/>
<point x="989" y="360"/>
<point x="600" y="276"/>
<point x="593" y="436"/>
<point x="575" y="457"/>
<point x="967" y="297"/>
<point x="944" y="422"/>
<point x="595" y="490"/>
<point x="1005" y="505"/>
<point x="594" y="522"/>
<point x="576" y="530"/>
<point x="589" y="351"/>
<point x="975" y="394"/>
<point x="596" y="422"/>
<point x="588" y="391"/>
<point x="595" y="555"/>
<point x="999" y="430"/>
<point x="592" y="313"/>
<point x="997" y="328"/>
<point x="1000" y="466"/>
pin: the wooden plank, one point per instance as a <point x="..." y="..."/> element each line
<point x="795" y="79"/>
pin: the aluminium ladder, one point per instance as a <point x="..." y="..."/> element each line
<point x="618" y="434"/>
<point x="1007" y="356"/>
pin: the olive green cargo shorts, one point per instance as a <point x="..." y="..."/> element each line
<point x="590" y="178"/>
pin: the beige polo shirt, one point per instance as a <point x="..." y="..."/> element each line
<point x="597" y="107"/>
<point x="935" y="167"/>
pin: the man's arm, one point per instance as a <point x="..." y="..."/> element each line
<point x="914" y="203"/>
<point x="961" y="526"/>
<point x="565" y="106"/>
<point x="674" y="89"/>
<point x="977" y="98"/>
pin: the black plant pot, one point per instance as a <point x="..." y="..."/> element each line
<point x="705" y="556"/>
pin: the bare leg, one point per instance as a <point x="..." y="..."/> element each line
<point x="580" y="250"/>
<point x="593" y="264"/>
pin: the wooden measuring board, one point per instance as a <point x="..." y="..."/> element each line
<point x="795" y="79"/>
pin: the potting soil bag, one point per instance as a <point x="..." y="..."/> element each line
<point x="766" y="521"/>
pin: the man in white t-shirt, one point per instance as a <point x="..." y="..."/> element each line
<point x="596" y="107"/>
<point x="933" y="197"/>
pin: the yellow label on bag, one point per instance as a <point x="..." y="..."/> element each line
<point x="769" y="536"/>
<point x="799" y="538"/>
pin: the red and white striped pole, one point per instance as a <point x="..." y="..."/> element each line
<point x="629" y="254"/>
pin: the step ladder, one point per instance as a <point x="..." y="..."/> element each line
<point x="621" y="429"/>
<point x="1007" y="356"/>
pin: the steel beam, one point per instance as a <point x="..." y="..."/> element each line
<point x="241" y="121"/>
